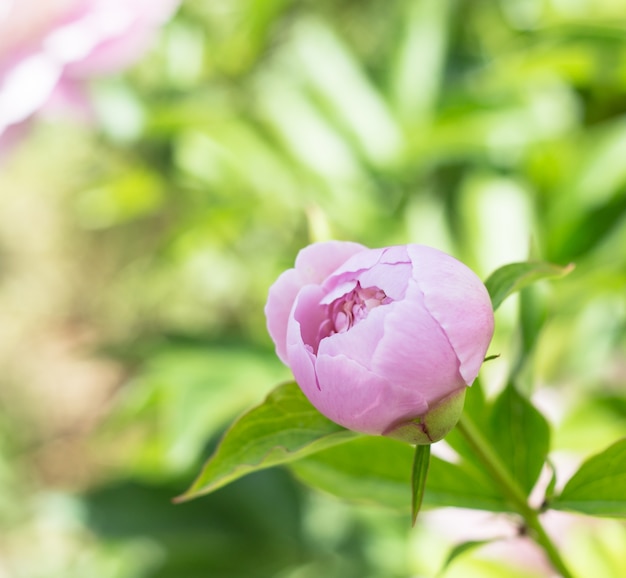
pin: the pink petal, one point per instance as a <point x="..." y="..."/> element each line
<point x="117" y="49"/>
<point x="308" y="315"/>
<point x="302" y="363"/>
<point x="357" y="263"/>
<point x="415" y="350"/>
<point x="360" y="341"/>
<point x="317" y="261"/>
<point x="25" y="86"/>
<point x="313" y="264"/>
<point x="360" y="400"/>
<point x="300" y="355"/>
<point x="395" y="254"/>
<point x="280" y="299"/>
<point x="391" y="278"/>
<point x="337" y="292"/>
<point x="458" y="300"/>
<point x="365" y="266"/>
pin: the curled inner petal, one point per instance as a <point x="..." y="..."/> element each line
<point x="351" y="308"/>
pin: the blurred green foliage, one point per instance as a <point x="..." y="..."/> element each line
<point x="492" y="130"/>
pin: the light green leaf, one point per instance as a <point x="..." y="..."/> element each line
<point x="421" y="461"/>
<point x="423" y="38"/>
<point x="460" y="549"/>
<point x="515" y="276"/>
<point x="520" y="435"/>
<point x="283" y="428"/>
<point x="599" y="486"/>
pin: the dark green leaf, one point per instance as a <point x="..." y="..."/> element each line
<point x="418" y="478"/>
<point x="599" y="486"/>
<point x="515" y="276"/>
<point x="375" y="470"/>
<point x="520" y="435"/>
<point x="378" y="470"/>
<point x="532" y="316"/>
<point x="285" y="427"/>
<point x="462" y="485"/>
<point x="261" y="515"/>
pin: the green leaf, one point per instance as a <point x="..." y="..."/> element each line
<point x="421" y="461"/>
<point x="460" y="549"/>
<point x="377" y="470"/>
<point x="532" y="317"/>
<point x="520" y="435"/>
<point x="462" y="485"/>
<point x="283" y="428"/>
<point x="550" y="489"/>
<point x="515" y="276"/>
<point x="599" y="486"/>
<point x="372" y="470"/>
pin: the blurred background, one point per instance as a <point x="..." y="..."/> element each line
<point x="162" y="164"/>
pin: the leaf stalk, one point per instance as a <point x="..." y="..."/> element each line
<point x="512" y="491"/>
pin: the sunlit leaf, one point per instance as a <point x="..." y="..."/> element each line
<point x="424" y="38"/>
<point x="575" y="237"/>
<point x="285" y="427"/>
<point x="511" y="278"/>
<point x="460" y="549"/>
<point x="599" y="486"/>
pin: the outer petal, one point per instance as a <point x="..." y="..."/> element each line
<point x="458" y="300"/>
<point x="317" y="261"/>
<point x="313" y="264"/>
<point x="124" y="31"/>
<point x="395" y="254"/>
<point x="302" y="363"/>
<point x="280" y="299"/>
<point x="357" y="263"/>
<point x="359" y="399"/>
<point x="26" y="86"/>
<point x="415" y="350"/>
<point x="306" y="314"/>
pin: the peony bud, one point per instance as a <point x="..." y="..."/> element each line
<point x="382" y="341"/>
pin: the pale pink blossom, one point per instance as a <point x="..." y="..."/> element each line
<point x="49" y="48"/>
<point x="379" y="338"/>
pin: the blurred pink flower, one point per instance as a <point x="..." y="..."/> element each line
<point x="48" y="49"/>
<point x="378" y="339"/>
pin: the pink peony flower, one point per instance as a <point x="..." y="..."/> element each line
<point x="48" y="49"/>
<point x="382" y="341"/>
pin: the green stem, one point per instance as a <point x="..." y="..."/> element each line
<point x="511" y="491"/>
